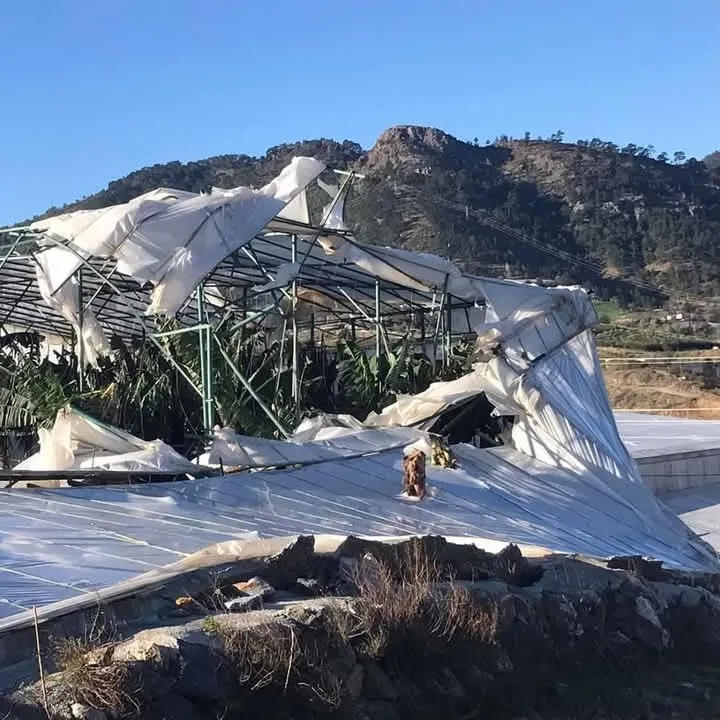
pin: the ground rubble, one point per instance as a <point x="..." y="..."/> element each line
<point x="383" y="632"/>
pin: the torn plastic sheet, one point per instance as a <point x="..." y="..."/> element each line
<point x="78" y="441"/>
<point x="66" y="301"/>
<point x="167" y="237"/>
<point x="208" y="229"/>
<point x="414" y="410"/>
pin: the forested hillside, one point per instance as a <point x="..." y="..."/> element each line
<point x="617" y="219"/>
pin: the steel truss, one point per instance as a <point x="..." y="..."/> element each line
<point x="340" y="296"/>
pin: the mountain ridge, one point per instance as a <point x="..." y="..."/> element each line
<point x="512" y="206"/>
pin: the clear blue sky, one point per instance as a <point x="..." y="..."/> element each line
<point x="91" y="90"/>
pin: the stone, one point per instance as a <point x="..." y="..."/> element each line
<point x="478" y="680"/>
<point x="255" y="586"/>
<point x="309" y="587"/>
<point x="562" y="618"/>
<point x="293" y="561"/>
<point x="570" y="576"/>
<point x="693" y="619"/>
<point x="445" y="683"/>
<point x="172" y="707"/>
<point x="690" y="691"/>
<point x="244" y="603"/>
<point x="647" y="628"/>
<point x="341" y="659"/>
<point x="637" y="565"/>
<point x="381" y="710"/>
<point x="503" y="663"/>
<point x="205" y="673"/>
<point x="378" y="685"/>
<point x="13" y="709"/>
<point x="354" y="682"/>
<point x="194" y="658"/>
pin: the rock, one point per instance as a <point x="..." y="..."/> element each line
<point x="648" y="629"/>
<point x="11" y="709"/>
<point x="690" y="691"/>
<point x="309" y="587"/>
<point x="570" y="576"/>
<point x="296" y="560"/>
<point x="172" y="707"/>
<point x="445" y="683"/>
<point x="478" y="680"/>
<point x="244" y="603"/>
<point x="255" y="586"/>
<point x="378" y="685"/>
<point x="204" y="673"/>
<point x="348" y="568"/>
<point x="511" y="566"/>
<point x="637" y="565"/>
<point x="194" y="658"/>
<point x="85" y="712"/>
<point x="341" y="659"/>
<point x="354" y="682"/>
<point x="485" y="588"/>
<point x="693" y="619"/>
<point x="381" y="710"/>
<point x="562" y="619"/>
<point x="503" y="663"/>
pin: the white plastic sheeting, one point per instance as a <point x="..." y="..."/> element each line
<point x="648" y="436"/>
<point x="78" y="441"/>
<point x="58" y="544"/>
<point x="415" y="410"/>
<point x="329" y="443"/>
<point x="169" y="238"/>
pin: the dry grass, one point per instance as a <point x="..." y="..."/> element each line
<point x="284" y="658"/>
<point x="262" y="654"/>
<point x="412" y="609"/>
<point x="658" y="388"/>
<point x="94" y="680"/>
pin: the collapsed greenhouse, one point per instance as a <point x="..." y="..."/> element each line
<point x="540" y="462"/>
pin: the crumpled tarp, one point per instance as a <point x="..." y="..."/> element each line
<point x="169" y="238"/>
<point x="78" y="441"/>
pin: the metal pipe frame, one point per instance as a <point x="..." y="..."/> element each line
<point x="362" y="293"/>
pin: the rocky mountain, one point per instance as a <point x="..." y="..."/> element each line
<point x="617" y="219"/>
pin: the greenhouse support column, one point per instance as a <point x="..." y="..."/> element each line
<point x="377" y="319"/>
<point x="205" y="354"/>
<point x="295" y="339"/>
<point x="448" y="331"/>
<point x="80" y="333"/>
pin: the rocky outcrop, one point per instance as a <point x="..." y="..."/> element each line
<point x="451" y="633"/>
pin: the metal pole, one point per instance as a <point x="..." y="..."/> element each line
<point x="448" y="330"/>
<point x="81" y="325"/>
<point x="443" y="336"/>
<point x="295" y="339"/>
<point x="281" y="357"/>
<point x="210" y="389"/>
<point x="377" y="319"/>
<point x="203" y="342"/>
<point x="251" y="390"/>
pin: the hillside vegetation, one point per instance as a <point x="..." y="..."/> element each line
<point x="571" y="212"/>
